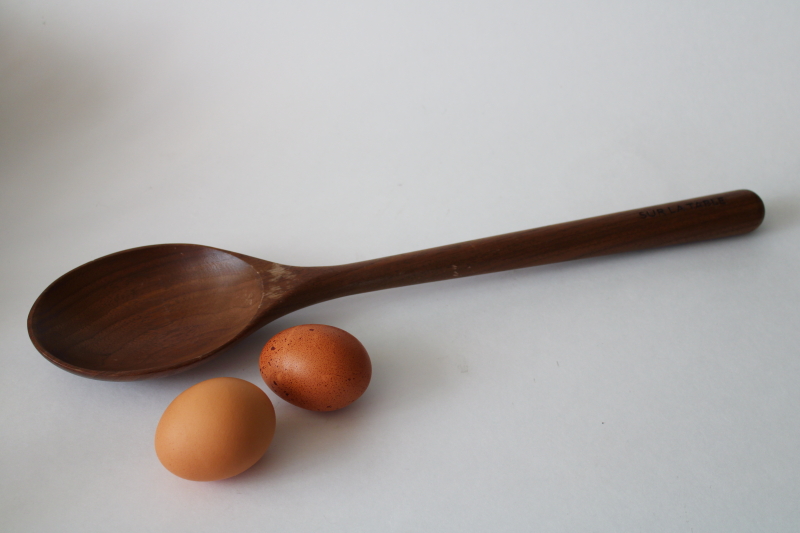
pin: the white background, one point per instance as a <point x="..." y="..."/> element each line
<point x="653" y="391"/>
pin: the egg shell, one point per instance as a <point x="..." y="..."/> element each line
<point x="316" y="367"/>
<point x="215" y="429"/>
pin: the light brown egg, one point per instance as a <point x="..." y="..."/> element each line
<point x="316" y="367"/>
<point x="215" y="429"/>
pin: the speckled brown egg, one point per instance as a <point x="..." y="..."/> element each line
<point x="316" y="367"/>
<point x="215" y="429"/>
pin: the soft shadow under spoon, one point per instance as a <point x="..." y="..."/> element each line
<point x="160" y="309"/>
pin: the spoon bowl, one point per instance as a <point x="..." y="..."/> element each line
<point x="137" y="310"/>
<point x="157" y="310"/>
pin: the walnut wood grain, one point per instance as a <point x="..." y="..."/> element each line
<point x="160" y="309"/>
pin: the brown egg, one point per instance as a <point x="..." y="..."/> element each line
<point x="215" y="429"/>
<point x="316" y="367"/>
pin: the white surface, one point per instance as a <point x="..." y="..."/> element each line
<point x="655" y="391"/>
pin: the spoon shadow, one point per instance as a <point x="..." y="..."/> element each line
<point x="309" y="441"/>
<point x="784" y="214"/>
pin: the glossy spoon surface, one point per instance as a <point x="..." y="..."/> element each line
<point x="157" y="310"/>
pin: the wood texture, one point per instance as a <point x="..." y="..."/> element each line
<point x="157" y="310"/>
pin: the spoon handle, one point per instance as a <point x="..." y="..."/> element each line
<point x="697" y="219"/>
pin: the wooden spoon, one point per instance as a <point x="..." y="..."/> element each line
<point x="157" y="310"/>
